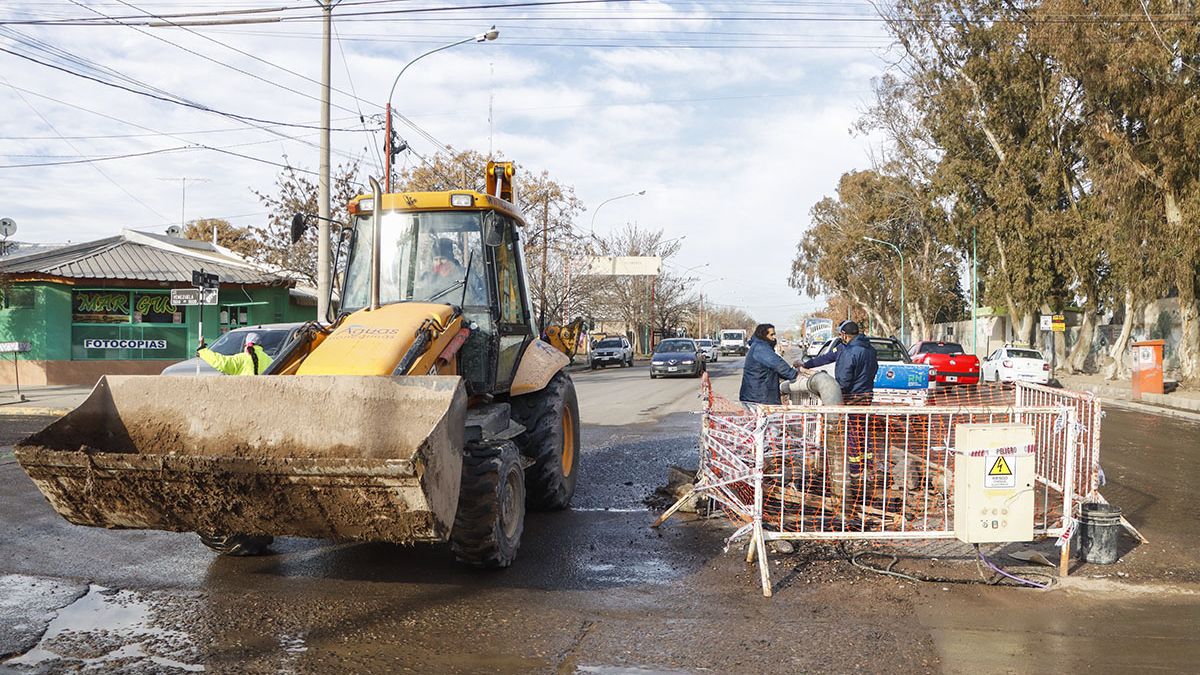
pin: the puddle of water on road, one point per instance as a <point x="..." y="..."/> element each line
<point x="602" y="509"/>
<point x="106" y="627"/>
<point x="647" y="571"/>
<point x="626" y="670"/>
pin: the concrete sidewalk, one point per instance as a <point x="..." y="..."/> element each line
<point x="1182" y="403"/>
<point x="44" y="400"/>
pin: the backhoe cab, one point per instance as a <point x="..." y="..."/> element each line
<point x="427" y="411"/>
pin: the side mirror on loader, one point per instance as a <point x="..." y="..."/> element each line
<point x="493" y="230"/>
<point x="299" y="225"/>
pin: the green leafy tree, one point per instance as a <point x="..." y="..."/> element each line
<point x="297" y="192"/>
<point x="240" y="240"/>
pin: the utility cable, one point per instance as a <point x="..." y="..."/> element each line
<point x="350" y="79"/>
<point x="166" y="99"/>
<point x="253" y="122"/>
<point x="204" y="56"/>
<point x="855" y="560"/>
<point x="72" y="146"/>
<point x="249" y="55"/>
<point x="354" y="96"/>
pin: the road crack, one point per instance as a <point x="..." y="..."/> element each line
<point x="566" y="661"/>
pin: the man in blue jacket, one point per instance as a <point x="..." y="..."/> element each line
<point x="764" y="369"/>
<point x="856" y="364"/>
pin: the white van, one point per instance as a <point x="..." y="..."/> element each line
<point x="733" y="341"/>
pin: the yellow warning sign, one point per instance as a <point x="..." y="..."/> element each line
<point x="1000" y="468"/>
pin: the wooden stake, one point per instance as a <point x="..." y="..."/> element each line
<point x="764" y="565"/>
<point x="674" y="507"/>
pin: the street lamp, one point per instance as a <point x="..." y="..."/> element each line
<point x="901" y="254"/>
<point x="702" y="301"/>
<point x="490" y="34"/>
<point x="654" y="286"/>
<point x="611" y="199"/>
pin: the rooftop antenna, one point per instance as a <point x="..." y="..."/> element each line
<point x="8" y="227"/>
<point x="183" y="181"/>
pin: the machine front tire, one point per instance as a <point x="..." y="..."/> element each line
<point x="551" y="439"/>
<point x="491" y="506"/>
<point x="238" y="545"/>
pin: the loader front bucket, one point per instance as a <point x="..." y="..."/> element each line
<point x="339" y="457"/>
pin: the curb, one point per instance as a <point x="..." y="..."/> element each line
<point x="32" y="411"/>
<point x="1183" y="408"/>
<point x="1152" y="409"/>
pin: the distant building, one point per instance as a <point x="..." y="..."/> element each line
<point x="104" y="307"/>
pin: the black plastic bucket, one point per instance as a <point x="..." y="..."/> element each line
<point x="1099" y="527"/>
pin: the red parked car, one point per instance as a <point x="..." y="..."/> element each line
<point x="948" y="364"/>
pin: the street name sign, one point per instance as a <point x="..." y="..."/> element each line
<point x="182" y="297"/>
<point x="203" y="279"/>
<point x="631" y="266"/>
<point x="186" y="296"/>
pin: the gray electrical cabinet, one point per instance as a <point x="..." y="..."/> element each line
<point x="994" y="467"/>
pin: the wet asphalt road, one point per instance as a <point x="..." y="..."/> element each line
<point x="595" y="590"/>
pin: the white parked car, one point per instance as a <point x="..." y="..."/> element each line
<point x="613" y="351"/>
<point x="710" y="349"/>
<point x="1009" y="364"/>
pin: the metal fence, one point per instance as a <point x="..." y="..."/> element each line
<point x="883" y="472"/>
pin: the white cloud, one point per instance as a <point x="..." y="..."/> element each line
<point x="735" y="174"/>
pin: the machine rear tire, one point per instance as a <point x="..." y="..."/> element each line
<point x="238" y="545"/>
<point x="551" y="439"/>
<point x="491" y="506"/>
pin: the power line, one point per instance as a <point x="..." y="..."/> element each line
<point x="88" y="21"/>
<point x="413" y="125"/>
<point x="350" y="80"/>
<point x="247" y="54"/>
<point x="72" y="146"/>
<point x="165" y="99"/>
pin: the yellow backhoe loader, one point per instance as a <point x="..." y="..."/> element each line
<point x="427" y="410"/>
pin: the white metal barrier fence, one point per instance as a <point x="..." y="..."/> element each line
<point x="883" y="472"/>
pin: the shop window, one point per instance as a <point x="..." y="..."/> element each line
<point x="128" y="341"/>
<point x="233" y="316"/>
<point x="100" y="307"/>
<point x="126" y="325"/>
<point x="155" y="308"/>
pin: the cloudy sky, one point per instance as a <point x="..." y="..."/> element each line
<point x="735" y="118"/>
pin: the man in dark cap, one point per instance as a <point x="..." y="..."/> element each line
<point x="444" y="270"/>
<point x="855" y="364"/>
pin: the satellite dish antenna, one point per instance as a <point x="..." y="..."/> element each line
<point x="174" y="231"/>
<point x="8" y="227"/>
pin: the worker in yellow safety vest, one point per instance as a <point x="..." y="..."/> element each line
<point x="251" y="361"/>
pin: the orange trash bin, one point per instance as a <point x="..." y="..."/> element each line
<point x="1147" y="368"/>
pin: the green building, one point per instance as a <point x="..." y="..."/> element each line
<point x="104" y="307"/>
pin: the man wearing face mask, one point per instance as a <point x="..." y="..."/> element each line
<point x="764" y="369"/>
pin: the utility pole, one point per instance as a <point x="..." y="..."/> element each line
<point x="545" y="250"/>
<point x="323" y="271"/>
<point x="974" y="293"/>
<point x="653" y="285"/>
